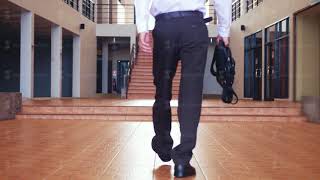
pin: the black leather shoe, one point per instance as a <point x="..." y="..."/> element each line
<point x="164" y="157"/>
<point x="181" y="171"/>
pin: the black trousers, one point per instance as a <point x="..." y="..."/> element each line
<point x="185" y="39"/>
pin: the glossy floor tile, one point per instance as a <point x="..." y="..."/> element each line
<point x="103" y="150"/>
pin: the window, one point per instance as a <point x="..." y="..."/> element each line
<point x="277" y="60"/>
<point x="236" y="10"/>
<point x="88" y="9"/>
<point x="252" y="4"/>
<point x="73" y="3"/>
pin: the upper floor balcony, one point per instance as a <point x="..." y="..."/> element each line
<point x="121" y="13"/>
<point x="118" y="19"/>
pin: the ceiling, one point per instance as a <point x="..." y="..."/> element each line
<point x="313" y="11"/>
<point x="10" y="23"/>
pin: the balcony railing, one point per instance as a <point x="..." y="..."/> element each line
<point x="88" y="9"/>
<point x="116" y="14"/>
<point x="252" y="4"/>
<point x="73" y="3"/>
<point x="211" y="12"/>
<point x="236" y="10"/>
<point x="125" y="14"/>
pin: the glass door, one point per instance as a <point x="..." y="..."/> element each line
<point x="253" y="66"/>
<point x="257" y="93"/>
<point x="269" y="70"/>
<point x="277" y="58"/>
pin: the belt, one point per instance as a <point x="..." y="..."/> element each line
<point x="179" y="14"/>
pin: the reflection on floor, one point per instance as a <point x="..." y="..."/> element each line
<point x="93" y="149"/>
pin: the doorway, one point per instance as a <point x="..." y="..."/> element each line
<point x="253" y="66"/>
<point x="122" y="71"/>
<point x="307" y="52"/>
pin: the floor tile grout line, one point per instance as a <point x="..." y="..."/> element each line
<point x="195" y="158"/>
<point x="217" y="141"/>
<point x="154" y="166"/>
<point x="123" y="147"/>
<point x="72" y="158"/>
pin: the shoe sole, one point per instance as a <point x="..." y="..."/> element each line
<point x="183" y="176"/>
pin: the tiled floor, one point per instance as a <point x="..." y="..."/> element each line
<point x="92" y="150"/>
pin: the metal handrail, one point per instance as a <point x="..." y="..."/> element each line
<point x="132" y="62"/>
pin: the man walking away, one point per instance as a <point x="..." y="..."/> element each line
<point x="180" y="33"/>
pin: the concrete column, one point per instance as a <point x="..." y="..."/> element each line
<point x="105" y="58"/>
<point x="56" y="61"/>
<point x="76" y="67"/>
<point x="27" y="54"/>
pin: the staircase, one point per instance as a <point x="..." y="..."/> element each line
<point x="141" y="110"/>
<point x="141" y="85"/>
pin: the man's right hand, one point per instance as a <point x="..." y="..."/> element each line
<point x="145" y="42"/>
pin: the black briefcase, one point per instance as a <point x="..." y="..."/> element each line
<point x="223" y="68"/>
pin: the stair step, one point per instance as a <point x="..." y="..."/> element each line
<point x="150" y="96"/>
<point x="174" y="118"/>
<point x="144" y="59"/>
<point x="152" y="91"/>
<point x="149" y="73"/>
<point x="148" y="63"/>
<point x="134" y="88"/>
<point x="146" y="70"/>
<point x="126" y="110"/>
<point x="150" y="77"/>
<point x="140" y="67"/>
<point x="144" y="54"/>
<point x="137" y="84"/>
<point x="106" y="102"/>
<point x="145" y="96"/>
<point x="150" y="81"/>
<point x="144" y="75"/>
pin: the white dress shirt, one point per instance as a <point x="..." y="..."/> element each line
<point x="146" y="8"/>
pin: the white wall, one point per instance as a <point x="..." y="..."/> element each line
<point x="117" y="30"/>
<point x="308" y="57"/>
